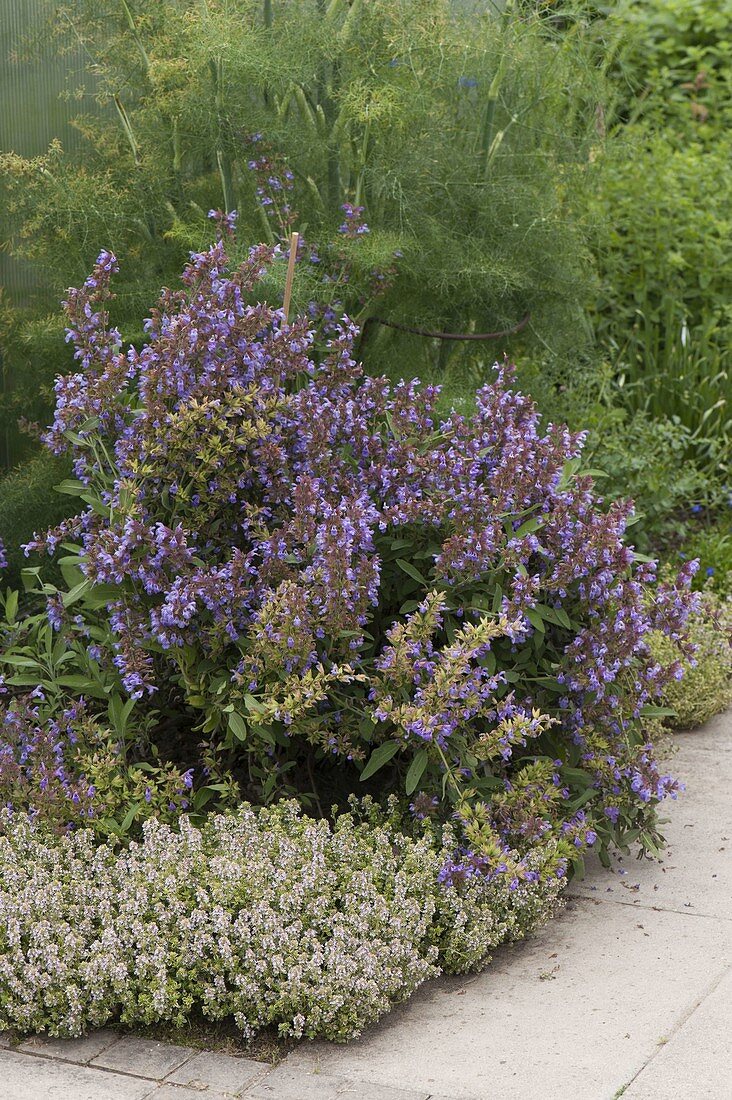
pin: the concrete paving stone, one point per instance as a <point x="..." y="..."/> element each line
<point x="144" y="1057"/>
<point x="217" y="1071"/>
<point x="579" y="1008"/>
<point x="694" y="874"/>
<point x="696" y="1061"/>
<point x="71" y="1050"/>
<point x="301" y="1084"/>
<point x="24" y="1077"/>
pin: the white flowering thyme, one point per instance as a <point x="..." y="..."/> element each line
<point x="264" y="915"/>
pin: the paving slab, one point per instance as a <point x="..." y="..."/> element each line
<point x="587" y="999"/>
<point x="71" y="1050"/>
<point x="24" y="1077"/>
<point x="143" y="1057"/>
<point x="208" y="1070"/>
<point x="695" y="1063"/>
<point x="299" y="1083"/>
<point x="696" y="868"/>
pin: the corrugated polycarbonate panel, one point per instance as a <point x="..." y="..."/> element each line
<point x="34" y="81"/>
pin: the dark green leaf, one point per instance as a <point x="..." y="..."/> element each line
<point x="76" y="593"/>
<point x="550" y="683"/>
<point x="96" y="504"/>
<point x="238" y="726"/>
<point x="71" y="573"/>
<point x="381" y="755"/>
<point x="70" y="487"/>
<point x="253" y="705"/>
<point x="129" y="818"/>
<point x="576" y="777"/>
<point x="535" y="619"/>
<point x="11" y="605"/>
<point x="411" y="571"/>
<point x="18" y="662"/>
<point x="416" y="771"/>
<point x="528" y="528"/>
<point x="83" y="684"/>
<point x="487" y="786"/>
<point x="205" y="794"/>
<point x="563" y="618"/>
<point x="102" y="594"/>
<point x="581" y="800"/>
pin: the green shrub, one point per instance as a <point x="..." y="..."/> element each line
<point x="461" y="133"/>
<point x="307" y="564"/>
<point x="648" y="459"/>
<point x="713" y="546"/>
<point x="269" y="917"/>
<point x="706" y="686"/>
<point x="675" y="57"/>
<point x="658" y="219"/>
<point x="663" y="315"/>
<point x="32" y="353"/>
<point x="28" y="501"/>
<point x="73" y="751"/>
<point x="663" y="226"/>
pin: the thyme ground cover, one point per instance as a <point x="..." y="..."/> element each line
<point x="269" y="917"/>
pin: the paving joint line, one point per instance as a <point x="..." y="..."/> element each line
<point x="649" y="908"/>
<point x="66" y="1061"/>
<point x="103" y="1069"/>
<point x="680" y="1023"/>
<point x="267" y="1068"/>
<point x="155" y="1082"/>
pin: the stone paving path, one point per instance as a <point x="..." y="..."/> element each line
<point x="627" y="993"/>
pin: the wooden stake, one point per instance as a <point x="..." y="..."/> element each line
<point x="290" y="275"/>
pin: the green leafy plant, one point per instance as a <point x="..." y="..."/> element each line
<point x="28" y="500"/>
<point x="663" y="316"/>
<point x="334" y="581"/>
<point x="675" y="57"/>
<point x="75" y="750"/>
<point x="712" y="545"/>
<point x="460" y="134"/>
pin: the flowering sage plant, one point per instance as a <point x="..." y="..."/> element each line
<point x="328" y="572"/>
